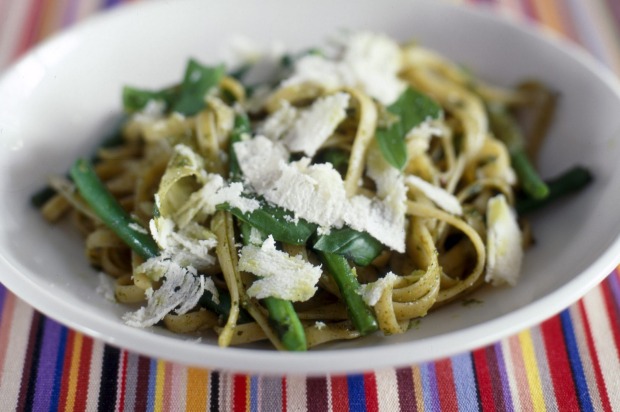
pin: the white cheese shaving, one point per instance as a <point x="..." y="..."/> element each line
<point x="369" y="61"/>
<point x="154" y="110"/>
<point x="316" y="124"/>
<point x="372" y="292"/>
<point x="190" y="245"/>
<point x="138" y="228"/>
<point x="279" y="122"/>
<point x="320" y="325"/>
<point x="438" y="195"/>
<point x="181" y="289"/>
<point x="504" y="249"/>
<point x="315" y="192"/>
<point x="106" y="287"/>
<point x="281" y="275"/>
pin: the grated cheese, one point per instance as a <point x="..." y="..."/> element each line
<point x="372" y="292"/>
<point x="281" y="275"/>
<point x="504" y="249"/>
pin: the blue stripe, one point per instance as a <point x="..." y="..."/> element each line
<point x="465" y="382"/>
<point x="357" y="394"/>
<point x="575" y="362"/>
<point x="3" y="293"/>
<point x="60" y="358"/>
<point x="254" y="393"/>
<point x="152" y="382"/>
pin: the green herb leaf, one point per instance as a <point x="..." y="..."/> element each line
<point x="198" y="80"/>
<point x="412" y="108"/>
<point x="135" y="100"/>
<point x="360" y="247"/>
<point x="275" y="221"/>
<point x="337" y="157"/>
<point x="241" y="127"/>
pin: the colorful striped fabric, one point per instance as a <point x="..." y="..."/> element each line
<point x="570" y="362"/>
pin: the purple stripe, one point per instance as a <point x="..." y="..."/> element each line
<point x="47" y="363"/>
<point x="3" y="293"/>
<point x="586" y="30"/>
<point x="614" y="6"/>
<point x="70" y="13"/>
<point x="503" y="376"/>
<point x="110" y="3"/>
<point x="465" y="382"/>
<point x="429" y="387"/>
<point x="406" y="392"/>
<point x="614" y="287"/>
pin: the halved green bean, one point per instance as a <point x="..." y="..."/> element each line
<point x="506" y="129"/>
<point x="360" y="314"/>
<point x="568" y="182"/>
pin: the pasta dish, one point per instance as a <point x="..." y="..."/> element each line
<point x="317" y="196"/>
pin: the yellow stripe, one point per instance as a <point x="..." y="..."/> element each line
<point x="531" y="369"/>
<point x="196" y="393"/>
<point x="417" y="387"/>
<point x="78" y="339"/>
<point x="248" y="392"/>
<point x="160" y="381"/>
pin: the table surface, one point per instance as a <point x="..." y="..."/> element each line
<point x="569" y="362"/>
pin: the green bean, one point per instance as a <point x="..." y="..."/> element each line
<point x="568" y="182"/>
<point x="506" y="129"/>
<point x="360" y="314"/>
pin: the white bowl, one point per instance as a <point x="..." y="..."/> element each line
<point x="58" y="99"/>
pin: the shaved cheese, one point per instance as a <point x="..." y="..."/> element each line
<point x="371" y="292"/>
<point x="369" y="61"/>
<point x="281" y="275"/>
<point x="181" y="289"/>
<point x="317" y="123"/>
<point x="504" y="249"/>
<point x="316" y="192"/>
<point x="441" y="197"/>
<point x="280" y="122"/>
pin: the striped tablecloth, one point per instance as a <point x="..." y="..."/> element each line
<point x="570" y="362"/>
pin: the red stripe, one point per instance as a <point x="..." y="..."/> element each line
<point x="30" y="28"/>
<point x="81" y="391"/>
<point x="483" y="380"/>
<point x="370" y="390"/>
<point x="123" y="382"/>
<point x="406" y="392"/>
<point x="598" y="374"/>
<point x="284" y="405"/>
<point x="340" y="393"/>
<point x="142" y="383"/>
<point x="528" y="9"/>
<point x="240" y="393"/>
<point x="445" y="385"/>
<point x="614" y="317"/>
<point x="316" y="394"/>
<point x="559" y="365"/>
<point x="66" y="366"/>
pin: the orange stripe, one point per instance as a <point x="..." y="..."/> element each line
<point x="547" y="14"/>
<point x="196" y="392"/>
<point x="417" y="388"/>
<point x="5" y="326"/>
<point x="74" y="368"/>
<point x="64" y="385"/>
<point x="49" y="18"/>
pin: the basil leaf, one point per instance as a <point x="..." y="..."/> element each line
<point x="412" y="108"/>
<point x="337" y="157"/>
<point x="198" y="80"/>
<point x="360" y="247"/>
<point x="241" y="127"/>
<point x="275" y="221"/>
<point x="135" y="99"/>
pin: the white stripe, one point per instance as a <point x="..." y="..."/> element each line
<point x="296" y="393"/>
<point x="10" y="29"/>
<point x="179" y="387"/>
<point x="94" y="382"/>
<point x="226" y="388"/>
<point x="510" y="373"/>
<point x="87" y="7"/>
<point x="387" y="390"/>
<point x="606" y="350"/>
<point x="329" y="394"/>
<point x="586" y="359"/>
<point x="11" y="375"/>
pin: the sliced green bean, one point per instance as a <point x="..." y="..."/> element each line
<point x="360" y="314"/>
<point x="568" y="182"/>
<point x="506" y="129"/>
